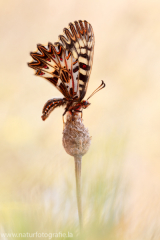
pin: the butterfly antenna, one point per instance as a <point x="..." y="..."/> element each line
<point x="99" y="88"/>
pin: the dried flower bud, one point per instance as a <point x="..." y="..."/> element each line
<point x="76" y="139"/>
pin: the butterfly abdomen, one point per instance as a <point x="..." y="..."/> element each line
<point x="51" y="105"/>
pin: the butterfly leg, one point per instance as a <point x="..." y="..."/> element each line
<point x="72" y="115"/>
<point x="65" y="112"/>
<point x="79" y="111"/>
<point x="63" y="122"/>
<point x="66" y="109"/>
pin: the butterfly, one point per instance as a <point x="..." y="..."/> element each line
<point x="67" y="65"/>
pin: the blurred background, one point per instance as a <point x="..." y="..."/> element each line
<point x="121" y="171"/>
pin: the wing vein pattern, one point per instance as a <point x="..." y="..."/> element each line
<point x="67" y="63"/>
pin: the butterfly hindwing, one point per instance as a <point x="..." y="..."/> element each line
<point x="49" y="64"/>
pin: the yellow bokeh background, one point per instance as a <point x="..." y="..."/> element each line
<point x="37" y="182"/>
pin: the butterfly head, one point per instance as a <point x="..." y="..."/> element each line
<point x="85" y="104"/>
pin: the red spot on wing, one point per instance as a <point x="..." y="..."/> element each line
<point x="84" y="66"/>
<point x="41" y="73"/>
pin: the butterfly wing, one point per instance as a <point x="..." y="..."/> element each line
<point x="79" y="40"/>
<point x="49" y="63"/>
<point x="67" y="64"/>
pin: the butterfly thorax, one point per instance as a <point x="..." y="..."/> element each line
<point x="75" y="106"/>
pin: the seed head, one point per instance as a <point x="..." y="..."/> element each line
<point x="76" y="139"/>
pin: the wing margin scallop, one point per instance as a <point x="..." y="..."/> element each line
<point x="47" y="61"/>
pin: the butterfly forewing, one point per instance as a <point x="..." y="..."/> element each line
<point x="79" y="40"/>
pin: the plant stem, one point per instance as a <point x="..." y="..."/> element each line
<point x="78" y="160"/>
